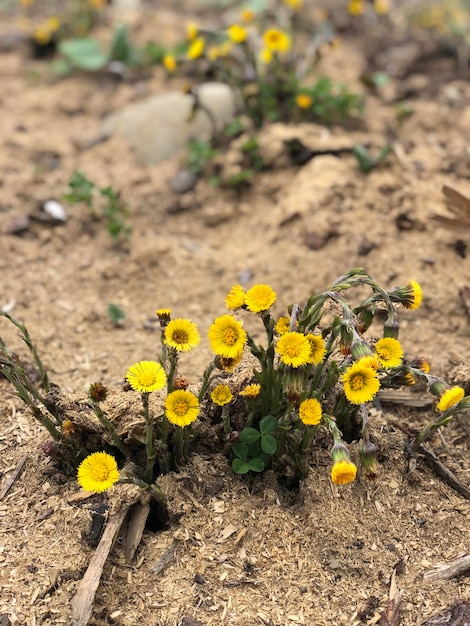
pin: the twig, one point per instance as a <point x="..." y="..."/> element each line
<point x="82" y="602"/>
<point x="9" y="482"/>
<point x="392" y="616"/>
<point x="443" y="472"/>
<point x="165" y="559"/>
<point x="449" y="570"/>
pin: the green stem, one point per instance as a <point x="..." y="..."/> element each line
<point x="149" y="443"/>
<point x="304" y="449"/>
<point x="206" y="380"/>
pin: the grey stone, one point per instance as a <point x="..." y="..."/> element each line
<point x="183" y="181"/>
<point x="160" y="127"/>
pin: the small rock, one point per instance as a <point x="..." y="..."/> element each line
<point x="55" y="210"/>
<point x="183" y="181"/>
<point x="18" y="225"/>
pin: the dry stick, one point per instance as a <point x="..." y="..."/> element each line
<point x="135" y="529"/>
<point x="82" y="602"/>
<point x="449" y="570"/>
<point x="443" y="472"/>
<point x="13" y="477"/>
<point x="165" y="559"/>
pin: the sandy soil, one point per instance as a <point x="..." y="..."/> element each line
<point x="240" y="552"/>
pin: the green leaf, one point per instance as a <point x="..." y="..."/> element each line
<point x="257" y="465"/>
<point x="249" y="435"/>
<point x="268" y="425"/>
<point x="240" y="467"/>
<point x="240" y="450"/>
<point x="254" y="449"/>
<point x="116" y="314"/>
<point x="268" y="444"/>
<point x="83" y="53"/>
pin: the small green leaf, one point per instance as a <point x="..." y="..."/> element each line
<point x="268" y="444"/>
<point x="116" y="314"/>
<point x="84" y="53"/>
<point x="268" y="425"/>
<point x="257" y="465"/>
<point x="254" y="449"/>
<point x="240" y="467"/>
<point x="240" y="450"/>
<point x="249" y="435"/>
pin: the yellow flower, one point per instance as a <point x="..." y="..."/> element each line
<point x="389" y="352"/>
<point x="182" y="335"/>
<point x="237" y="33"/>
<point x="415" y="296"/>
<point x="343" y="472"/>
<point x="317" y="348"/>
<point x="450" y="397"/>
<point x="163" y="313"/>
<point x="277" y="40"/>
<point x="247" y="16"/>
<point x="310" y="412"/>
<point x="169" y="62"/>
<point x="228" y="364"/>
<point x="294" y="349"/>
<point x="251" y="391"/>
<point x="221" y="395"/>
<point x="303" y="100"/>
<point x="181" y="407"/>
<point x="369" y="361"/>
<point x="282" y="325"/>
<point x="97" y="472"/>
<point x="192" y="31"/>
<point x="196" y="49"/>
<point x="235" y="298"/>
<point x="360" y="383"/>
<point x="356" y="7"/>
<point x="260" y="298"/>
<point x="422" y="364"/>
<point x="146" y="376"/>
<point x="382" y="7"/>
<point x="295" y="5"/>
<point x="227" y="337"/>
<point x="266" y="56"/>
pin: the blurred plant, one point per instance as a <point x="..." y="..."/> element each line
<point x="316" y="369"/>
<point x="108" y="205"/>
<point x="116" y="314"/>
<point x="367" y="162"/>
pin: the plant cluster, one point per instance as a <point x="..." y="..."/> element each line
<point x="317" y="370"/>
<point x="104" y="203"/>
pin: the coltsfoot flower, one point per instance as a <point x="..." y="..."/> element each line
<point x="235" y="298"/>
<point x="294" y="349"/>
<point x="360" y="383"/>
<point x="317" y="348"/>
<point x="221" y="395"/>
<point x="251" y="391"/>
<point x="303" y="100"/>
<point x="182" y="335"/>
<point x="97" y="472"/>
<point x="181" y="407"/>
<point x="237" y="33"/>
<point x="196" y="49"/>
<point x="450" y="398"/>
<point x="227" y="336"/>
<point x="276" y="40"/>
<point x="146" y="376"/>
<point x="310" y="412"/>
<point x="260" y="298"/>
<point x="389" y="352"/>
<point x="282" y="325"/>
<point x="343" y="472"/>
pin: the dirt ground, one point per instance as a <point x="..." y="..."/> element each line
<point x="239" y="552"/>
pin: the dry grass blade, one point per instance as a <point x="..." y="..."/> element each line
<point x="9" y="482"/>
<point x="459" y="206"/>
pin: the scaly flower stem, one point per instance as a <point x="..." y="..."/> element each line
<point x="149" y="444"/>
<point x="302" y="460"/>
<point x="206" y="380"/>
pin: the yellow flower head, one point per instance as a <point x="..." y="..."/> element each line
<point x="450" y="398"/>
<point x="369" y="361"/>
<point x="228" y="364"/>
<point x="97" y="472"/>
<point x="68" y="428"/>
<point x="182" y="335"/>
<point x="146" y="376"/>
<point x="265" y="56"/>
<point x="276" y="40"/>
<point x="303" y="100"/>
<point x="196" y="49"/>
<point x="356" y="7"/>
<point x="317" y="348"/>
<point x="237" y="33"/>
<point x="310" y="412"/>
<point x="343" y="472"/>
<point x="295" y="5"/>
<point x="360" y="383"/>
<point x="415" y="297"/>
<point x="382" y="7"/>
<point x="389" y="352"/>
<point x="422" y="364"/>
<point x="227" y="337"/>
<point x="260" y="298"/>
<point x="163" y="313"/>
<point x="181" y="407"/>
<point x="235" y="298"/>
<point x="221" y="395"/>
<point x="282" y="325"/>
<point x="247" y="16"/>
<point x="251" y="391"/>
<point x="169" y="62"/>
<point x="192" y="31"/>
<point x="294" y="349"/>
